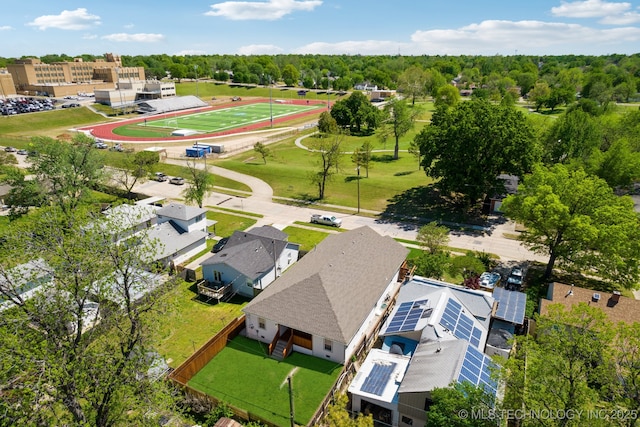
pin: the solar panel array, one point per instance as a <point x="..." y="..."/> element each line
<point x="511" y="305"/>
<point x="476" y="368"/>
<point x="407" y="316"/>
<point x="459" y="323"/>
<point x="378" y="378"/>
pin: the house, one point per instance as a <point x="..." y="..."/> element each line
<point x="23" y="281"/>
<point x="435" y="334"/>
<point x="127" y="220"/>
<point x="332" y="300"/>
<point x="187" y="218"/>
<point x="614" y="305"/>
<point x="250" y="261"/>
<point x="365" y="86"/>
<point x="506" y="185"/>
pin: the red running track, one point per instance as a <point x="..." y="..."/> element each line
<point x="105" y="131"/>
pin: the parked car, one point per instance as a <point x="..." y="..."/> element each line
<point x="10" y="149"/>
<point x="489" y="280"/>
<point x="160" y="177"/>
<point x="101" y="145"/>
<point x="236" y="98"/>
<point x="70" y="105"/>
<point x="219" y="245"/>
<point x="515" y="279"/>
<point x="326" y="220"/>
<point x="177" y="180"/>
<point x="22" y="152"/>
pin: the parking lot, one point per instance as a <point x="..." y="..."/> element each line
<point x="11" y="106"/>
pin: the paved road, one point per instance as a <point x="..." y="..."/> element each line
<point x="277" y="214"/>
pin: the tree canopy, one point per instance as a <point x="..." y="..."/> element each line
<point x="579" y="222"/>
<point x="467" y="146"/>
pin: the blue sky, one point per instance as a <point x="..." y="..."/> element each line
<point x="372" y="27"/>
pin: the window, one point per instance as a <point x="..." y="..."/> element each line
<point x="406" y="420"/>
<point x="217" y="276"/>
<point x="261" y="323"/>
<point x="328" y="345"/>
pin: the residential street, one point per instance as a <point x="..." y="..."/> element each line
<point x="260" y="201"/>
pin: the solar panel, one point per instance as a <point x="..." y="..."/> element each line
<point x="460" y="324"/>
<point x="476" y="369"/>
<point x="407" y="316"/>
<point x="378" y="378"/>
<point x="511" y="305"/>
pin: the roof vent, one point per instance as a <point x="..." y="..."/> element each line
<point x="595" y="297"/>
<point x="615" y="297"/>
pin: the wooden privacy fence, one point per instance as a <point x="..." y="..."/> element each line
<point x="198" y="360"/>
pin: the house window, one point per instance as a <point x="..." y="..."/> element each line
<point x="261" y="323"/>
<point x="328" y="345"/>
<point x="406" y="420"/>
<point x="217" y="276"/>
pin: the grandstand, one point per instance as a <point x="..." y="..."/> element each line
<point x="167" y="105"/>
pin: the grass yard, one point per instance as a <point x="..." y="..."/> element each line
<point x="187" y="324"/>
<point x="228" y="222"/>
<point x="244" y="376"/>
<point x="307" y="239"/>
<point x="216" y="120"/>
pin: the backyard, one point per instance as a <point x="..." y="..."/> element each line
<point x="244" y="376"/>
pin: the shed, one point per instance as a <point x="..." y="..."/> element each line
<point x="195" y="152"/>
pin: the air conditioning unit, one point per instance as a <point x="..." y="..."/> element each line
<point x="595" y="297"/>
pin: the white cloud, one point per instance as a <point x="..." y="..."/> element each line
<point x="188" y="52"/>
<point x="589" y="9"/>
<point x="354" y="47"/>
<point x="77" y="19"/>
<point x="5" y="27"/>
<point x="623" y="19"/>
<point x="259" y="49"/>
<point x="139" y="38"/>
<point x="492" y="36"/>
<point x="266" y="11"/>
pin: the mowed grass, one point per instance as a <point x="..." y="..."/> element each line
<point x="216" y="120"/>
<point x="244" y="376"/>
<point x="289" y="169"/>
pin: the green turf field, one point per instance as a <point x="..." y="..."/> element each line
<point x="229" y="118"/>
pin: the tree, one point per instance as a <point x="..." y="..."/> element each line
<point x="327" y="125"/>
<point x="539" y="94"/>
<point x="338" y="416"/>
<point x="263" y="150"/>
<point x="447" y="95"/>
<point x="466" y="147"/>
<point x="200" y="184"/>
<point x="579" y="222"/>
<point x="412" y="83"/>
<point x="77" y="352"/>
<point x="68" y="170"/>
<point x="362" y="157"/>
<point x="454" y="406"/>
<point x="400" y="121"/>
<point x="574" y="135"/>
<point x="136" y="169"/>
<point x="354" y="112"/>
<point x="290" y="75"/>
<point x="433" y="237"/>
<point x="330" y="152"/>
<point x="566" y="366"/>
<point x="466" y="265"/>
<point x="414" y="149"/>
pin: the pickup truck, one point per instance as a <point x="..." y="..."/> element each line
<point x="326" y="220"/>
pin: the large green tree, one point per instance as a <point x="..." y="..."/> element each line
<point x="579" y="222"/>
<point x="400" y="120"/>
<point x="466" y="147"/>
<point x="77" y="352"/>
<point x="200" y="183"/>
<point x="329" y="152"/>
<point x="413" y="83"/>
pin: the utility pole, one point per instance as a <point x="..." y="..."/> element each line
<point x="293" y="424"/>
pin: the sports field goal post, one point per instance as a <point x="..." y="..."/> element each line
<point x="171" y="123"/>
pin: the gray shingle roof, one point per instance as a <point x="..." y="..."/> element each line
<point x="172" y="238"/>
<point x="180" y="211"/>
<point x="434" y="364"/>
<point x="332" y="289"/>
<point x="252" y="252"/>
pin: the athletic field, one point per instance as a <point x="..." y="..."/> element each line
<point x="229" y="118"/>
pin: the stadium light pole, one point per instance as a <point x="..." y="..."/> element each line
<point x="328" y="82"/>
<point x="195" y="68"/>
<point x="270" y="103"/>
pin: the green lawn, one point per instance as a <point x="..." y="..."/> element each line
<point x="228" y="223"/>
<point x="244" y="376"/>
<point x="307" y="239"/>
<point x="289" y="168"/>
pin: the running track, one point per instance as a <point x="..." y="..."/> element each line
<point x="105" y="131"/>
